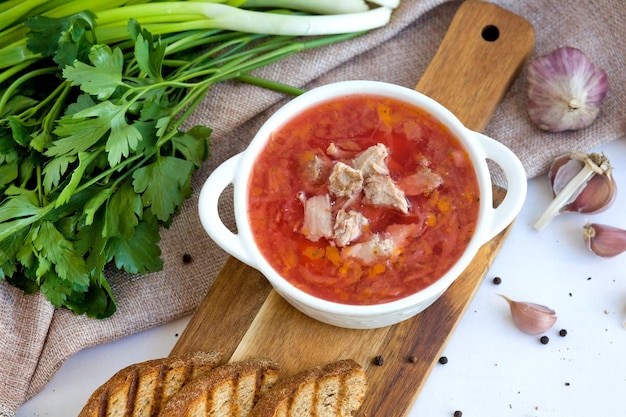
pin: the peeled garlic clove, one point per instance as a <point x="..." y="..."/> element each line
<point x="581" y="183"/>
<point x="565" y="90"/>
<point x="603" y="240"/>
<point x="531" y="318"/>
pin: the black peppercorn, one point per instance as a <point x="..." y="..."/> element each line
<point x="544" y="340"/>
<point x="379" y="360"/>
<point x="187" y="258"/>
<point x="497" y="280"/>
<point x="458" y="413"/>
<point x="443" y="360"/>
<point x="413" y="359"/>
<point x="563" y="332"/>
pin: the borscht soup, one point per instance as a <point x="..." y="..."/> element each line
<point x="362" y="200"/>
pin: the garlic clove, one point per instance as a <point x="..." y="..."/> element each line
<point x="581" y="183"/>
<point x="603" y="240"/>
<point x="596" y="194"/>
<point x="531" y="318"/>
<point x="565" y="90"/>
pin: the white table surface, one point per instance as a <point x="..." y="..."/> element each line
<point x="493" y="369"/>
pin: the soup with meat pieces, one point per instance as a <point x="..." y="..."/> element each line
<point x="362" y="200"/>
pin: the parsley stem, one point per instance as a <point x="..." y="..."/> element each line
<point x="59" y="104"/>
<point x="106" y="173"/>
<point x="56" y="98"/>
<point x="8" y="93"/>
<point x="270" y="85"/>
<point x="39" y="186"/>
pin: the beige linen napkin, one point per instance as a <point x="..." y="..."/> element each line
<point x="35" y="339"/>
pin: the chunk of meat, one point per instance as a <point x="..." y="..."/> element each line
<point x="344" y="180"/>
<point x="318" y="219"/>
<point x="349" y="225"/>
<point x="423" y="181"/>
<point x="371" y="251"/>
<point x="380" y="190"/>
<point x="372" y="161"/>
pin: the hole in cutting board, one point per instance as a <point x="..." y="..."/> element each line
<point x="490" y="33"/>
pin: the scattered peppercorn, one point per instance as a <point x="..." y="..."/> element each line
<point x="413" y="359"/>
<point x="567" y="384"/>
<point x="544" y="340"/>
<point x="443" y="360"/>
<point x="562" y="332"/>
<point x="458" y="413"/>
<point x="187" y="258"/>
<point x="379" y="360"/>
<point x="497" y="280"/>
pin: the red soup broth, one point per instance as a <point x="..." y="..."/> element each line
<point x="434" y="231"/>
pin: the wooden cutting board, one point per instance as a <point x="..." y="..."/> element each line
<point x="482" y="53"/>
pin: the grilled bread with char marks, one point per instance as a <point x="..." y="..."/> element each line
<point x="333" y="390"/>
<point x="142" y="389"/>
<point x="230" y="390"/>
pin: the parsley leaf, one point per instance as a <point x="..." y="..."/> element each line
<point x="123" y="139"/>
<point x="194" y="144"/>
<point x="64" y="38"/>
<point x="163" y="185"/>
<point x="139" y="253"/>
<point x="103" y="77"/>
<point x="80" y="131"/>
<point x="85" y="159"/>
<point x="123" y="212"/>
<point x="149" y="52"/>
<point x="52" y="247"/>
<point x="54" y="170"/>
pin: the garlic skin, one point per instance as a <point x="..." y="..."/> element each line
<point x="565" y="90"/>
<point x="581" y="183"/>
<point x="604" y="240"/>
<point x="531" y="318"/>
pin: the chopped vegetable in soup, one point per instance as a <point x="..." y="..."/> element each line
<point x="363" y="200"/>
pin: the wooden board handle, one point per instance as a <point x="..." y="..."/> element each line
<point x="480" y="56"/>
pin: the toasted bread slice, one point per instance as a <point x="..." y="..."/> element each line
<point x="335" y="389"/>
<point x="143" y="388"/>
<point x="229" y="390"/>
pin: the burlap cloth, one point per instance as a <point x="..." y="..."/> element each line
<point x="35" y="339"/>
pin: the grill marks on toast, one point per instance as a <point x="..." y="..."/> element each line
<point x="230" y="390"/>
<point x="141" y="390"/>
<point x="196" y="386"/>
<point x="336" y="389"/>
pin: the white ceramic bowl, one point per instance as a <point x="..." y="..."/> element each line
<point x="241" y="245"/>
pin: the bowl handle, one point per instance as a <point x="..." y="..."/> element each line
<point x="208" y="209"/>
<point x="517" y="183"/>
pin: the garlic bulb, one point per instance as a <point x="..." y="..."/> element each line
<point x="531" y="318"/>
<point x="565" y="90"/>
<point x="581" y="183"/>
<point x="603" y="240"/>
